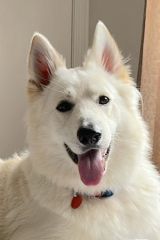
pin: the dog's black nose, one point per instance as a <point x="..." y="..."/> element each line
<point x="88" y="136"/>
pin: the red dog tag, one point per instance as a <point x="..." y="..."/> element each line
<point x="76" y="201"/>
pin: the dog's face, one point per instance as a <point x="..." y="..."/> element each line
<point x="75" y="115"/>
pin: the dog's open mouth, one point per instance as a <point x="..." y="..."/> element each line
<point x="91" y="164"/>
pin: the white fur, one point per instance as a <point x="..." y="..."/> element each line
<point x="36" y="188"/>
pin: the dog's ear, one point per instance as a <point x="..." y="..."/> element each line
<point x="43" y="61"/>
<point x="104" y="50"/>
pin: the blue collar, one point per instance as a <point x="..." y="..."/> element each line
<point x="78" y="198"/>
<point x="106" y="194"/>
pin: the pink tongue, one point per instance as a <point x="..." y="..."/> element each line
<point x="91" y="167"/>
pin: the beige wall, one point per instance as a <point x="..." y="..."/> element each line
<point x="124" y="18"/>
<point x="19" y="19"/>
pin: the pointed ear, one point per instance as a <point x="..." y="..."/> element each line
<point x="104" y="50"/>
<point x="43" y="61"/>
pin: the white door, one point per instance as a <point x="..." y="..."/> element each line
<point x="19" y="19"/>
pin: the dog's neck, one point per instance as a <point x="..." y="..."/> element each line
<point x="45" y="192"/>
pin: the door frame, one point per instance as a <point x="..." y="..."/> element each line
<point x="80" y="31"/>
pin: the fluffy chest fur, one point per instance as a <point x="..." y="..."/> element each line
<point x="38" y="210"/>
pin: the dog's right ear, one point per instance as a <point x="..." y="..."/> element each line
<point x="43" y="62"/>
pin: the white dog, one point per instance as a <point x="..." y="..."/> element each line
<point x="87" y="174"/>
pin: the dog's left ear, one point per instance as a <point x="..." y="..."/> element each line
<point x="104" y="51"/>
<point x="43" y="62"/>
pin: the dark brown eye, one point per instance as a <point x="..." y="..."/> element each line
<point x="103" y="100"/>
<point x="64" y="106"/>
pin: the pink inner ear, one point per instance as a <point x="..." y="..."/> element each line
<point x="107" y="60"/>
<point x="42" y="69"/>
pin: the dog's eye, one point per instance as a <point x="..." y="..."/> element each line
<point x="103" y="100"/>
<point x="64" y="106"/>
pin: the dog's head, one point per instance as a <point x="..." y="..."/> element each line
<point x="84" y="126"/>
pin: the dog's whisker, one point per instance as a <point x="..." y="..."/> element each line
<point x="59" y="85"/>
<point x="59" y="91"/>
